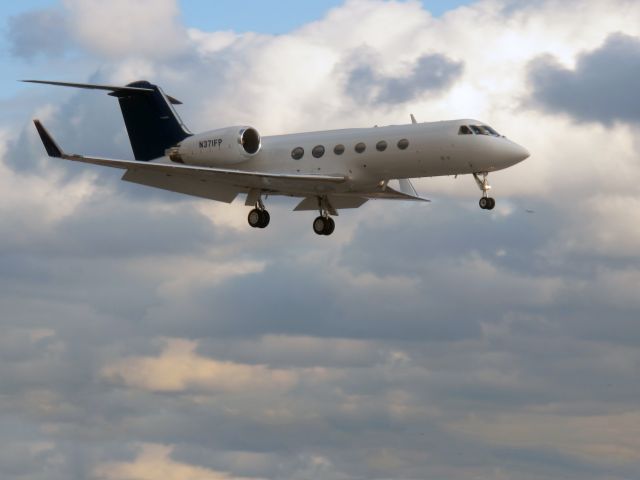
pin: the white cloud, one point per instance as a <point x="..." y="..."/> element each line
<point x="179" y="368"/>
<point x="148" y="28"/>
<point x="154" y="462"/>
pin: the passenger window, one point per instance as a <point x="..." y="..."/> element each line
<point x="381" y="146"/>
<point x="360" y="147"/>
<point x="297" y="153"/>
<point x="476" y="130"/>
<point x="338" y="149"/>
<point x="403" y="144"/>
<point x="317" y="151"/>
<point x="464" y="130"/>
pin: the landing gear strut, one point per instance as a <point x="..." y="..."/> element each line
<point x="486" y="202"/>
<point x="259" y="217"/>
<point x="324" y="224"/>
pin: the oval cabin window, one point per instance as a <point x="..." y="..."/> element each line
<point x="403" y="144"/>
<point x="381" y="146"/>
<point x="338" y="149"/>
<point x="297" y="153"/>
<point x="317" y="151"/>
<point x="360" y="147"/>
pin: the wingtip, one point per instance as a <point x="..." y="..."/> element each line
<point x="50" y="145"/>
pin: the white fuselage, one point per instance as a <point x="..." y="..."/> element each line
<point x="432" y="149"/>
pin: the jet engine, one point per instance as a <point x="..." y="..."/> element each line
<point x="217" y="148"/>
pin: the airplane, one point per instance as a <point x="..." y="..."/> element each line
<point x="327" y="170"/>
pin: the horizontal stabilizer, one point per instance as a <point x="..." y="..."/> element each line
<point x="114" y="89"/>
<point x="50" y="145"/>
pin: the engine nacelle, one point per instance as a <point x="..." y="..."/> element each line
<point x="226" y="146"/>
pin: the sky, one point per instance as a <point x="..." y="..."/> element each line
<point x="148" y="335"/>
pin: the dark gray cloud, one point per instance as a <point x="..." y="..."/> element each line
<point x="100" y="310"/>
<point x="39" y="32"/>
<point x="429" y="74"/>
<point x="602" y="87"/>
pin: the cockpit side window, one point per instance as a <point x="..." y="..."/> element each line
<point x="464" y="130"/>
<point x="491" y="130"/>
<point x="483" y="130"/>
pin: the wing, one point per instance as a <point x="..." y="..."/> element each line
<point x="241" y="179"/>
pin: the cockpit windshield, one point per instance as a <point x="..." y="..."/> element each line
<point x="477" y="130"/>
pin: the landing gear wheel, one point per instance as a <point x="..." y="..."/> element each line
<point x="324" y="225"/>
<point x="487" y="203"/>
<point x="254" y="218"/>
<point x="319" y="225"/>
<point x="329" y="227"/>
<point x="258" y="218"/>
<point x="265" y="219"/>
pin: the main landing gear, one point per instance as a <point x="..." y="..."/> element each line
<point x="324" y="224"/>
<point x="486" y="202"/>
<point x="259" y="217"/>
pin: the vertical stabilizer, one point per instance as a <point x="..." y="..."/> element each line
<point x="152" y="123"/>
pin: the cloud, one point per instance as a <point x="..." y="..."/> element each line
<point x="430" y="73"/>
<point x="605" y="436"/>
<point x="39" y="32"/>
<point x="142" y="29"/>
<point x="154" y="462"/>
<point x="147" y="334"/>
<point x="599" y="89"/>
<point x="179" y="369"/>
<point x="147" y="28"/>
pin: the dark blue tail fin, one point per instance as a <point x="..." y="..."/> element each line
<point x="152" y="123"/>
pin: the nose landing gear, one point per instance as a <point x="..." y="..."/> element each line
<point x="486" y="202"/>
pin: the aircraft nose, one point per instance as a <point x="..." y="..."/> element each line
<point x="522" y="153"/>
<point x="516" y="153"/>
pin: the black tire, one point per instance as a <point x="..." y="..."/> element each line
<point x="319" y="225"/>
<point x="492" y="204"/>
<point x="265" y="218"/>
<point x="255" y="218"/>
<point x="484" y="203"/>
<point x="329" y="227"/>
